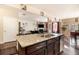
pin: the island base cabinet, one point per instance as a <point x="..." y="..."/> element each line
<point x="49" y="47"/>
<point x="38" y="52"/>
<point x="21" y="51"/>
<point x="57" y="47"/>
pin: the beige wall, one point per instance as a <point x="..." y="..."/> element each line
<point x="1" y="30"/>
<point x="4" y="12"/>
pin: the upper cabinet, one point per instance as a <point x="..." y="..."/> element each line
<point x="42" y="19"/>
<point x="28" y="21"/>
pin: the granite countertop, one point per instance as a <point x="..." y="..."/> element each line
<point x="27" y="40"/>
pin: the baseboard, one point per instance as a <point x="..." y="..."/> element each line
<point x="7" y="42"/>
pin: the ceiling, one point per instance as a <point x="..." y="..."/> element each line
<point x="59" y="10"/>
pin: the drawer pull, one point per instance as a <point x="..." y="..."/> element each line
<point x="39" y="47"/>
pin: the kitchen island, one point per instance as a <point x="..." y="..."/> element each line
<point x="39" y="44"/>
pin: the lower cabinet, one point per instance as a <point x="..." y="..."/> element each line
<point x="49" y="47"/>
<point x="39" y="52"/>
<point x="57" y="46"/>
<point x="53" y="46"/>
<point x="37" y="49"/>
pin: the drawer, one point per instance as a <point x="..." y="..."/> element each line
<point x="35" y="47"/>
<point x="39" y="52"/>
<point x="50" y="41"/>
<point x="50" y="49"/>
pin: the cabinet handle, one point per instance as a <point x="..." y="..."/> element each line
<point x="39" y="47"/>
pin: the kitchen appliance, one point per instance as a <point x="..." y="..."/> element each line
<point x="41" y="27"/>
<point x="41" y="31"/>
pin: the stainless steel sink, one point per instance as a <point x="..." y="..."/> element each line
<point x="47" y="35"/>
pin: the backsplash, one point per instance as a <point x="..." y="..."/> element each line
<point x="27" y="22"/>
<point x="28" y="26"/>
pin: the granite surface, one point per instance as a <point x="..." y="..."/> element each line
<point x="27" y="40"/>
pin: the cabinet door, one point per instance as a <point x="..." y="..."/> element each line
<point x="35" y="47"/>
<point x="38" y="52"/>
<point x="50" y="49"/>
<point x="55" y="27"/>
<point x="57" y="46"/>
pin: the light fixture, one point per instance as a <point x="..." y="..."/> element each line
<point x="56" y="19"/>
<point x="76" y="19"/>
<point x="41" y="17"/>
<point x="23" y="7"/>
<point x="42" y="13"/>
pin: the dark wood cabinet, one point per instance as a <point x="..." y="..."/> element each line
<point x="38" y="52"/>
<point x="51" y="41"/>
<point x="57" y="46"/>
<point x="34" y="49"/>
<point x="48" y="47"/>
<point x="53" y="46"/>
